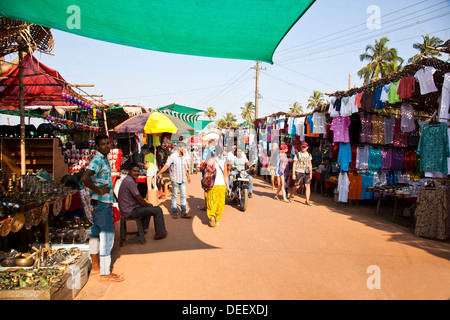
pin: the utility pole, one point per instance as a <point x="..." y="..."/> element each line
<point x="349" y="81"/>
<point x="257" y="68"/>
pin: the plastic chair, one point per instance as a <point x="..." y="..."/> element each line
<point x="140" y="235"/>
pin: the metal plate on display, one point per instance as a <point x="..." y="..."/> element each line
<point x="5" y="228"/>
<point x="36" y="215"/>
<point x="68" y="201"/>
<point x="17" y="222"/>
<point x="57" y="207"/>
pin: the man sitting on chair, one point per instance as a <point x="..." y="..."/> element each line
<point x="132" y="205"/>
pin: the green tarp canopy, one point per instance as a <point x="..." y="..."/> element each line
<point x="237" y="29"/>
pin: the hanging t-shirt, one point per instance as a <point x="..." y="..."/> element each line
<point x="406" y="87"/>
<point x="346" y="107"/>
<point x="400" y="138"/>
<point x="384" y="92"/>
<point x="377" y="103"/>
<point x="332" y="108"/>
<point x="345" y="156"/>
<point x="343" y="186"/>
<point x="362" y="157"/>
<point x="340" y="126"/>
<point x="389" y="123"/>
<point x="367" y="182"/>
<point x="319" y="122"/>
<point x="393" y="96"/>
<point x="355" y="187"/>
<point x="426" y="80"/>
<point x="358" y="99"/>
<point x="407" y="123"/>
<point x="366" y="128"/>
<point x="377" y="129"/>
<point x="354" y="128"/>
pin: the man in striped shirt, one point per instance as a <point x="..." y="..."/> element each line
<point x="177" y="166"/>
<point x="97" y="178"/>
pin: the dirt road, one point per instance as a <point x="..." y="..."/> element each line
<point x="279" y="250"/>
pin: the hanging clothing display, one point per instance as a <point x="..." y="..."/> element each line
<point x="434" y="148"/>
<point x="340" y="126"/>
<point x="367" y="182"/>
<point x="319" y="122"/>
<point x="426" y="80"/>
<point x="366" y="128"/>
<point x="355" y="188"/>
<point x="389" y="123"/>
<point x="345" y="156"/>
<point x="393" y="96"/>
<point x="407" y="120"/>
<point x="362" y="157"/>
<point x="377" y="129"/>
<point x="432" y="213"/>
<point x="354" y="128"/>
<point x="400" y="138"/>
<point x="375" y="158"/>
<point x="343" y="187"/>
<point x="406" y="87"/>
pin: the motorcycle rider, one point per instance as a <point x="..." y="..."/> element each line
<point x="240" y="162"/>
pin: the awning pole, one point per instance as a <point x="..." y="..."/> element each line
<point x="22" y="116"/>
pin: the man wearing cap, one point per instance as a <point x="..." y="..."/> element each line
<point x="303" y="171"/>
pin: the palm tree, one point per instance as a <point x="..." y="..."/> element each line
<point x="381" y="60"/>
<point x="227" y="122"/>
<point x="315" y="100"/>
<point x="248" y="112"/>
<point x="296" y="108"/>
<point x="210" y="113"/>
<point x="427" y="48"/>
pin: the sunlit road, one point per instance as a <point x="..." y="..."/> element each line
<point x="278" y="250"/>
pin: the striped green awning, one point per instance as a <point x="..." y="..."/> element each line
<point x="186" y="117"/>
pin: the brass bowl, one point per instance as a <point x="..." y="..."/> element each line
<point x="24" y="262"/>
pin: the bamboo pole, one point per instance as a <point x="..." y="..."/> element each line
<point x="22" y="116"/>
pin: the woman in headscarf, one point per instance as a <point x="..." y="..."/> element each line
<point x="215" y="198"/>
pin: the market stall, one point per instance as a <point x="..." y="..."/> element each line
<point x="388" y="139"/>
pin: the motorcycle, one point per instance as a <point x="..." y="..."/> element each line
<point x="239" y="192"/>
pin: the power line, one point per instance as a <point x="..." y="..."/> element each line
<point x="284" y="51"/>
<point x="333" y="54"/>
<point x="338" y="41"/>
<point x="230" y="82"/>
<point x="367" y="38"/>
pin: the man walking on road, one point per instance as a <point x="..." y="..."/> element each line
<point x="178" y="176"/>
<point x="303" y="172"/>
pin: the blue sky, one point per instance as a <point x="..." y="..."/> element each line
<point x="318" y="53"/>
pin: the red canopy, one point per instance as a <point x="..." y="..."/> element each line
<point x="43" y="86"/>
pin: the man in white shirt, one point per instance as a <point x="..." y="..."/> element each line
<point x="240" y="162"/>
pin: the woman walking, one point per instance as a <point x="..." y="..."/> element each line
<point x="215" y="197"/>
<point x="281" y="166"/>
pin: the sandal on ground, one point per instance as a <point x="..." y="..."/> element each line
<point x="112" y="277"/>
<point x="94" y="271"/>
<point x="212" y="222"/>
<point x="276" y="198"/>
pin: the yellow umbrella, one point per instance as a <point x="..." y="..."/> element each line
<point x="157" y="123"/>
<point x="149" y="123"/>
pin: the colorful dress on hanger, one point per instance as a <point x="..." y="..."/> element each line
<point x="433" y="148"/>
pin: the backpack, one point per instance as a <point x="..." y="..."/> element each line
<point x="209" y="174"/>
